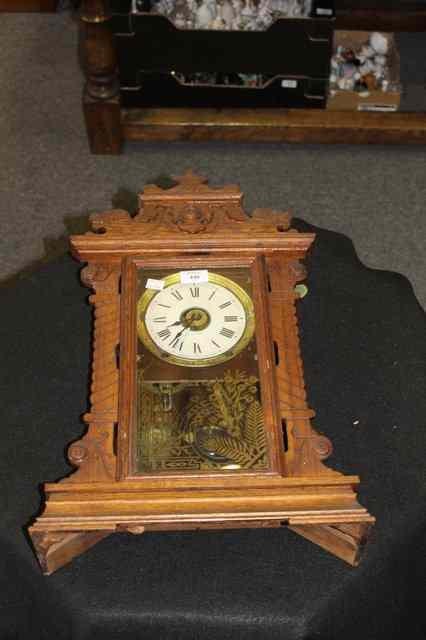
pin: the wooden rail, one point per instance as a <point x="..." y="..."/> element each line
<point x="275" y="125"/>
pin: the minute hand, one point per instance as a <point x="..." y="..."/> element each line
<point x="178" y="335"/>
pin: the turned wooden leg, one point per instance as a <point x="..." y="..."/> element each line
<point x="56" y="548"/>
<point x="346" y="541"/>
<point x="103" y="125"/>
<point x="101" y="99"/>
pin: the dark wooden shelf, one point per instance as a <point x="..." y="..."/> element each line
<point x="275" y="125"/>
<point x="30" y="6"/>
<point x="377" y="15"/>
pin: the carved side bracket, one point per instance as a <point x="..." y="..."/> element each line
<point x="56" y="548"/>
<point x="346" y="541"/>
<point x="306" y="448"/>
<point x="94" y="453"/>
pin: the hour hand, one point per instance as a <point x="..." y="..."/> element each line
<point x="178" y="335"/>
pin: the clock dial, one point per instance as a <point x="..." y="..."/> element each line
<point x="196" y="325"/>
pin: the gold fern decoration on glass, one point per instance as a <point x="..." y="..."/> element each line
<point x="204" y="425"/>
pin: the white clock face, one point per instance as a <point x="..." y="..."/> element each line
<point x="196" y="324"/>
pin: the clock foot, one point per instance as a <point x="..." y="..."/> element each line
<point x="346" y="541"/>
<point x="54" y="549"/>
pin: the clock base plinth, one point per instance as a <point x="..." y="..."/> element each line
<point x="78" y="515"/>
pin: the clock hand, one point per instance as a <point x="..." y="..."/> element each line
<point x="175" y="324"/>
<point x="178" y="335"/>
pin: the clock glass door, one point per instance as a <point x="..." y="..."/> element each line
<point x="199" y="402"/>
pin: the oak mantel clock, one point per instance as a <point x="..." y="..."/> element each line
<point x="199" y="417"/>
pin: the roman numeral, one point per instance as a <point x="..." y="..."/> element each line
<point x="227" y="332"/>
<point x="225" y="304"/>
<point x="166" y="306"/>
<point x="231" y="318"/>
<point x="216" y="345"/>
<point x="197" y="348"/>
<point x="212" y="294"/>
<point x="177" y="295"/>
<point x="195" y="292"/>
<point x="164" y="334"/>
<point x="160" y="319"/>
<point x="174" y="343"/>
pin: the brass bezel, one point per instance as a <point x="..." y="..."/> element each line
<point x="247" y="303"/>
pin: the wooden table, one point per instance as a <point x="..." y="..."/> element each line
<point x="108" y="125"/>
<point x="12" y="6"/>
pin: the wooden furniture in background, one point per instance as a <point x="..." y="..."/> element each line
<point x="108" y="125"/>
<point x="378" y="15"/>
<point x="12" y="6"/>
<point x="195" y="226"/>
<point x="101" y="96"/>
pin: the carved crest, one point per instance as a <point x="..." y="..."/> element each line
<point x="190" y="208"/>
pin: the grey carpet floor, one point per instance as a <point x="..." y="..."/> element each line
<point x="49" y="182"/>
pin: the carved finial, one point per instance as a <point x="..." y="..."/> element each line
<point x="188" y="187"/>
<point x="189" y="180"/>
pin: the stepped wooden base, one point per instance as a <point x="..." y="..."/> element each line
<point x="78" y="515"/>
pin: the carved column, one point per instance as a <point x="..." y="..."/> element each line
<point x="306" y="448"/>
<point x="94" y="453"/>
<point x="101" y="98"/>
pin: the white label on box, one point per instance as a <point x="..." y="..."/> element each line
<point x="289" y="84"/>
<point x="324" y="12"/>
<point x="194" y="277"/>
<point x="158" y="285"/>
<point x="377" y="107"/>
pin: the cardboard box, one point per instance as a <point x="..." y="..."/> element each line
<point x="377" y="100"/>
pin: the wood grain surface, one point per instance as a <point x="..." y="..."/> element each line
<point x="275" y="125"/>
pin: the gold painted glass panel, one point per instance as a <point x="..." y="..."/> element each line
<point x="199" y="406"/>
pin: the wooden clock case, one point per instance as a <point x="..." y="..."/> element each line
<point x="187" y="226"/>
